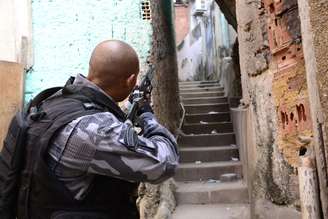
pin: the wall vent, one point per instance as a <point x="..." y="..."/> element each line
<point x="145" y="10"/>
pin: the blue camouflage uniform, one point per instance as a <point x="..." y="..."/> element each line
<point x="100" y="144"/>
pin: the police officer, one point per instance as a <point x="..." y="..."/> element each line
<point x="83" y="159"/>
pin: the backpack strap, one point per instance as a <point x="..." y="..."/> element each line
<point x="36" y="101"/>
<point x="80" y="92"/>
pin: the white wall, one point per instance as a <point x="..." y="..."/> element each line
<point x="206" y="57"/>
<point x="190" y="58"/>
<point x="7" y="31"/>
<point x="16" y="31"/>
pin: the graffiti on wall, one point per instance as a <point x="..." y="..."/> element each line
<point x="289" y="84"/>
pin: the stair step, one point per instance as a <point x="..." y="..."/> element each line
<point x="197" y="140"/>
<point x="207" y="117"/>
<point x="200" y="100"/>
<point x="207" y="128"/>
<point x="212" y="211"/>
<point x="207" y="170"/>
<point x="211" y="192"/>
<point x="208" y="154"/>
<point x="201" y="94"/>
<point x="203" y="89"/>
<point x="229" y="177"/>
<point x="196" y="82"/>
<point x="199" y="85"/>
<point x="206" y="108"/>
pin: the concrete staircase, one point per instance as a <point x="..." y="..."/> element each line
<point x="209" y="177"/>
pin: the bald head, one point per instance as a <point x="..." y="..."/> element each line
<point x="111" y="64"/>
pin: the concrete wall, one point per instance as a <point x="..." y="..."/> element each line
<point x="189" y="52"/>
<point x="16" y="32"/>
<point x="228" y="7"/>
<point x="276" y="96"/>
<point x="225" y="38"/>
<point x="65" y="32"/>
<point x="201" y="54"/>
<point x="314" y="24"/>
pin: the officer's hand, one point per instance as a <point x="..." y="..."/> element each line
<point x="133" y="94"/>
<point x="145" y="108"/>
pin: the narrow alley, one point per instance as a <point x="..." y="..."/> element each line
<point x="241" y="85"/>
<point x="209" y="178"/>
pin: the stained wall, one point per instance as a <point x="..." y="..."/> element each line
<point x="276" y="95"/>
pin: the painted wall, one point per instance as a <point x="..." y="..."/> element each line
<point x="66" y="31"/>
<point x="15" y="31"/>
<point x="201" y="55"/>
<point x="189" y="52"/>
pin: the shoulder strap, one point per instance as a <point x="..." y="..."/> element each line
<point x="78" y="92"/>
<point x="42" y="96"/>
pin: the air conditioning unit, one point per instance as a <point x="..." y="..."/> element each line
<point x="199" y="7"/>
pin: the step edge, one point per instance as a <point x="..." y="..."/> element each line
<point x="192" y="165"/>
<point x="216" y="92"/>
<point x="196" y="190"/>
<point x="203" y="135"/>
<point x="213" y="148"/>
<point x="198" y="81"/>
<point x="203" y="114"/>
<point x="201" y="88"/>
<point x="209" y="123"/>
<point x="185" y="188"/>
<point x="203" y="98"/>
<point x="207" y="146"/>
<point x="205" y="104"/>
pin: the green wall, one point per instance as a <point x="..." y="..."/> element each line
<point x="66" y="31"/>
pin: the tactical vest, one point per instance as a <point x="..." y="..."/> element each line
<point x="41" y="194"/>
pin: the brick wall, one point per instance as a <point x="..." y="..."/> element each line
<point x="289" y="83"/>
<point x="182" y="22"/>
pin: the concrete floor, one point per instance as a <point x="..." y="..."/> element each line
<point x="215" y="211"/>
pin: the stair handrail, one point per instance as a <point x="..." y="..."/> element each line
<point x="179" y="131"/>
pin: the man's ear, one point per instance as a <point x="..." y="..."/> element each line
<point x="132" y="80"/>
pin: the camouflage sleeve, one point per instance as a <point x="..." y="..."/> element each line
<point x="120" y="152"/>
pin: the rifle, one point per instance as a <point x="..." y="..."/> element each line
<point x="140" y="94"/>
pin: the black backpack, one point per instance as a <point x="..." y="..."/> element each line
<point x="14" y="151"/>
<point x="12" y="156"/>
